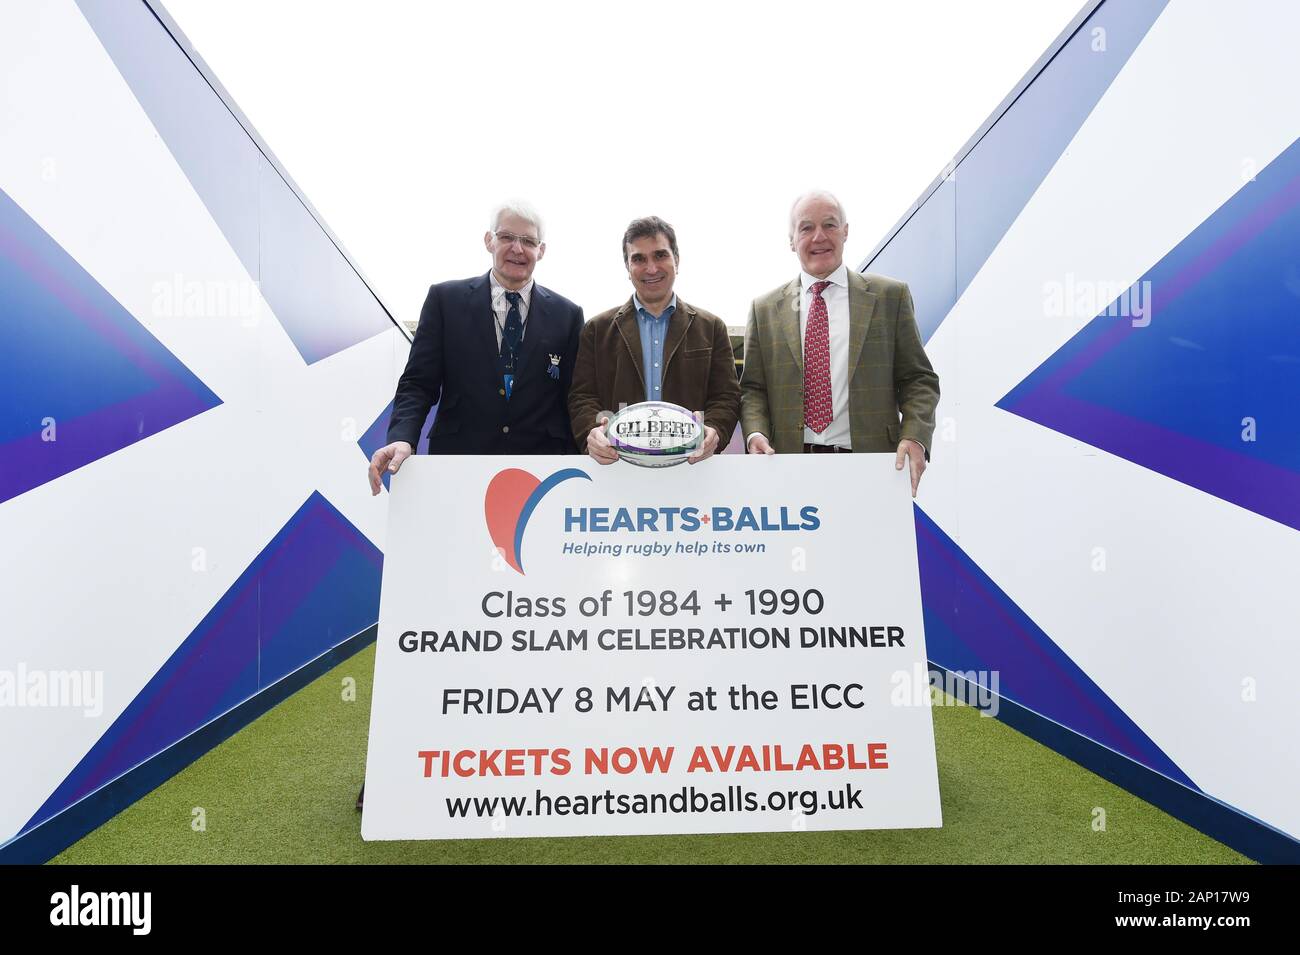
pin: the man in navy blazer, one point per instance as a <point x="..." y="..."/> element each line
<point x="494" y="353"/>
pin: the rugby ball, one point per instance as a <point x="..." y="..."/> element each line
<point x="654" y="434"/>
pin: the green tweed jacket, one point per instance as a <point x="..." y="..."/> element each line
<point x="893" y="390"/>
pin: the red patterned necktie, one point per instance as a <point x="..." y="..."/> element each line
<point x="817" y="410"/>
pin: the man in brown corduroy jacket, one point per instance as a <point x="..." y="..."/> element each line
<point x="654" y="347"/>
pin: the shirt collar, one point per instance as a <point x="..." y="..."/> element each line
<point x="499" y="291"/>
<point x="641" y="309"/>
<point x="839" y="277"/>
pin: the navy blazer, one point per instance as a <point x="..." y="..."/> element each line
<point x="453" y="364"/>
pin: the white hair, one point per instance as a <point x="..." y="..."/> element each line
<point x="517" y="207"/>
<point x="816" y="194"/>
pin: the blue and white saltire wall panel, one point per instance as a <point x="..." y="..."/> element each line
<point x="1109" y="284"/>
<point x="191" y="378"/>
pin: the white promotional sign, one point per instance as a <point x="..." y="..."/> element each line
<point x="571" y="649"/>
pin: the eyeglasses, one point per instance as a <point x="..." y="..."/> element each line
<point x="509" y="238"/>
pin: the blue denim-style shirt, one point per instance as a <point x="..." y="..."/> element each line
<point x="653" y="329"/>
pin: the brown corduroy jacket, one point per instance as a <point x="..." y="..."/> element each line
<point x="699" y="369"/>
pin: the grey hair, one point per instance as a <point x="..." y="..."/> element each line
<point x="517" y="207"/>
<point x="816" y="194"/>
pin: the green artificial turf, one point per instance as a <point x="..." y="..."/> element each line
<point x="283" y="790"/>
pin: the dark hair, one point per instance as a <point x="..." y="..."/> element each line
<point x="646" y="228"/>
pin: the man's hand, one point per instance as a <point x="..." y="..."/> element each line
<point x="759" y="445"/>
<point x="916" y="455"/>
<point x="388" y="458"/>
<point x="708" y="446"/>
<point x="598" y="445"/>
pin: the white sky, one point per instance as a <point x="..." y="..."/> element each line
<point x="405" y="122"/>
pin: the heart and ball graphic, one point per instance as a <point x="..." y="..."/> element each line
<point x="511" y="498"/>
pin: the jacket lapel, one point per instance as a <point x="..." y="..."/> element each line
<point x="787" y="319"/>
<point x="478" y="308"/>
<point x="534" y="331"/>
<point x="862" y="305"/>
<point x="627" y="327"/>
<point x="678" y="324"/>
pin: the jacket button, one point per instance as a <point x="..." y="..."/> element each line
<point x="501" y="391"/>
<point x="505" y="429"/>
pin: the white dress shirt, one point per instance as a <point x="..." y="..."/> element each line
<point x="836" y="297"/>
<point x="501" y="306"/>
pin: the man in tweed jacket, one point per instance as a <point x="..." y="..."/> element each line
<point x="882" y="391"/>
